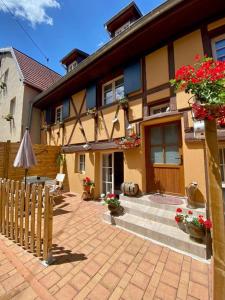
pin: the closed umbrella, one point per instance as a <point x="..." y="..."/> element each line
<point x="25" y="157"/>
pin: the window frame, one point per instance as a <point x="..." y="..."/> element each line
<point x="81" y="170"/>
<point x="12" y="107"/>
<point x="222" y="165"/>
<point x="213" y="44"/>
<point x="61" y="116"/>
<point x="159" y="106"/>
<point x="113" y="82"/>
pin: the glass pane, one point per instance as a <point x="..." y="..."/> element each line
<point x="107" y="160"/>
<point x="157" y="155"/>
<point x="156" y="136"/>
<point x="171" y="134"/>
<point x="220" y="52"/>
<point x="108" y="187"/>
<point x="107" y="174"/>
<point x="119" y="82"/>
<point x="172" y="155"/>
<point x="119" y="92"/>
<point x="108" y="97"/>
<point x="220" y="44"/>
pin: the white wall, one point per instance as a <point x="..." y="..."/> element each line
<point x="15" y="89"/>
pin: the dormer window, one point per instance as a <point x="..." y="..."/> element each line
<point x="72" y="66"/>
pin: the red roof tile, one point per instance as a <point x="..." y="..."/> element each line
<point x="34" y="73"/>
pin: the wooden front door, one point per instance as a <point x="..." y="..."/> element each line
<point x="164" y="163"/>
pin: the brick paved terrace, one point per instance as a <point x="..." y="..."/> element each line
<point x="94" y="260"/>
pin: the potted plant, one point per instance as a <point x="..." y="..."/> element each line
<point x="205" y="81"/>
<point x="113" y="203"/>
<point x="92" y="112"/>
<point x="180" y="219"/>
<point x="124" y="103"/>
<point x="198" y="226"/>
<point x="128" y="142"/>
<point x="88" y="186"/>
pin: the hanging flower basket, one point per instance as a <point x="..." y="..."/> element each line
<point x="128" y="142"/>
<point x="205" y="81"/>
<point x="92" y="112"/>
<point x="124" y="103"/>
<point x="8" y="117"/>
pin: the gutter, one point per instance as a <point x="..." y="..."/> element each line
<point x="90" y="59"/>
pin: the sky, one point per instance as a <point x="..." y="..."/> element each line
<point x="58" y="26"/>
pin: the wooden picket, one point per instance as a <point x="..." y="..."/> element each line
<point x="26" y="216"/>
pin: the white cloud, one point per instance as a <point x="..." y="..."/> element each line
<point x="32" y="10"/>
<point x="100" y="44"/>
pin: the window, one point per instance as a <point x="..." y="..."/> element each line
<point x="218" y="46"/>
<point x="58" y="114"/>
<point x="82" y="163"/>
<point x="113" y="90"/>
<point x="222" y="164"/>
<point x="12" y="106"/>
<point x="158" y="109"/>
<point x="164" y="142"/>
<point x="72" y="66"/>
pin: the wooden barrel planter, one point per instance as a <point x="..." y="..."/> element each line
<point x="129" y="188"/>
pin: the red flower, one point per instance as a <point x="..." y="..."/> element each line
<point x="179" y="210"/>
<point x="201" y="221"/>
<point x="177" y="219"/>
<point x="87" y="179"/>
<point x="201" y="216"/>
<point x="190" y="212"/>
<point x="208" y="224"/>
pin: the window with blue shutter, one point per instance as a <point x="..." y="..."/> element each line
<point x="91" y="96"/>
<point x="132" y="77"/>
<point x="48" y="115"/>
<point x="66" y="109"/>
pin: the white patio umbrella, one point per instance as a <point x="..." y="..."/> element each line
<point x="25" y="157"/>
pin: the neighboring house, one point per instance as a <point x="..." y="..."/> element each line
<point x="137" y="63"/>
<point x="21" y="80"/>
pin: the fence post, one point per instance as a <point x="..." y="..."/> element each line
<point x="17" y="194"/>
<point x="48" y="215"/>
<point x="27" y="206"/>
<point x="32" y="229"/>
<point x="1" y="195"/>
<point x="6" y="159"/>
<point x="39" y="212"/>
<point x="11" y="204"/>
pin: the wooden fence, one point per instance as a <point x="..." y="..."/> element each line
<point x="26" y="216"/>
<point x="46" y="161"/>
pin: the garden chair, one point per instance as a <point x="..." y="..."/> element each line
<point x="56" y="185"/>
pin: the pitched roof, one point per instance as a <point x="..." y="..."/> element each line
<point x="33" y="72"/>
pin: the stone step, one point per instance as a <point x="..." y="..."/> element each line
<point x="149" y="213"/>
<point x="146" y="201"/>
<point x="167" y="235"/>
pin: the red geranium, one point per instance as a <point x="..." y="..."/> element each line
<point x="208" y="224"/>
<point x="190" y="212"/>
<point x="179" y="210"/>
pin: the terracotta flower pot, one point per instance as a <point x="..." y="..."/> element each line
<point x="87" y="188"/>
<point x="113" y="209"/>
<point x="196" y="232"/>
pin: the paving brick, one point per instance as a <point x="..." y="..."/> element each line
<point x="199" y="266"/>
<point x="99" y="291"/>
<point x="110" y="281"/>
<point x="126" y="258"/>
<point x="166" y="292"/>
<point x="101" y="258"/>
<point x="198" y="291"/>
<point x="199" y="277"/>
<point x="12" y="282"/>
<point x="173" y="267"/>
<point x="146" y="267"/>
<point x="79" y="280"/>
<point x="66" y="293"/>
<point x="91" y="268"/>
<point x="28" y="294"/>
<point x="132" y="292"/>
<point x="170" y="278"/>
<point x="50" y="279"/>
<point x="118" y="268"/>
<point x="182" y="291"/>
<point x="140" y="279"/>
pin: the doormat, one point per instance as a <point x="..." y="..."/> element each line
<point x="165" y="199"/>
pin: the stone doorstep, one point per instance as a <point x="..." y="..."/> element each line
<point x="144" y="200"/>
<point x="151" y="213"/>
<point x="167" y="235"/>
